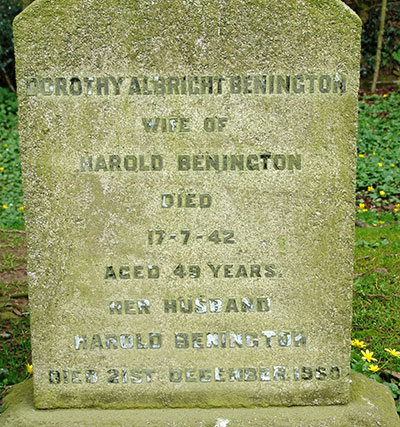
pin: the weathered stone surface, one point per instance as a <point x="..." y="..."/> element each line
<point x="371" y="404"/>
<point x="248" y="106"/>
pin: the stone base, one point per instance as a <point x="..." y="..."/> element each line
<point x="371" y="405"/>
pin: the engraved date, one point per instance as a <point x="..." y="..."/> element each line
<point x="160" y="236"/>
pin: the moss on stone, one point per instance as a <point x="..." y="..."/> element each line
<point x="79" y="221"/>
<point x="371" y="405"/>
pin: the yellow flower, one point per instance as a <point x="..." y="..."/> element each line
<point x="3" y="187"/>
<point x="388" y="148"/>
<point x="362" y="205"/>
<point x="361" y="155"/>
<point x="380" y="165"/>
<point x="393" y="352"/>
<point x="381" y="222"/>
<point x="5" y="145"/>
<point x="374" y="154"/>
<point x="397" y="205"/>
<point x="29" y="368"/>
<point x="5" y="207"/>
<point x="390" y="140"/>
<point x="21" y="208"/>
<point x="385" y="95"/>
<point x="365" y="210"/>
<point x="382" y="193"/>
<point x="373" y="368"/>
<point x="393" y="165"/>
<point x="367" y="355"/>
<point x="1" y="169"/>
<point x="370" y="188"/>
<point x="374" y="225"/>
<point x="356" y="343"/>
<point x="396" y="210"/>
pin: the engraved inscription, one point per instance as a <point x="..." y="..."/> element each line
<point x="273" y="373"/>
<point x="238" y="162"/>
<point x="203" y="305"/>
<point x="263" y="339"/>
<point x="191" y="162"/>
<point x="260" y="84"/>
<point x="188" y="200"/>
<point x="157" y="237"/>
<point x="137" y="341"/>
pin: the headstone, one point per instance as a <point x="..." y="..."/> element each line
<point x="189" y="172"/>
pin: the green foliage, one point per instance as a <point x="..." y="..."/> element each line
<point x="14" y="311"/>
<point x="376" y="302"/>
<point x="376" y="297"/>
<point x="396" y="55"/>
<point x="378" y="167"/>
<point x="8" y="10"/>
<point x="370" y="35"/>
<point x="358" y="364"/>
<point x="11" y="205"/>
<point x="14" y="353"/>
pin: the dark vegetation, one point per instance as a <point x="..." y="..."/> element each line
<point x="369" y="12"/>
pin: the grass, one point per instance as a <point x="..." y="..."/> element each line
<point x="378" y="167"/>
<point x="11" y="205"/>
<point x="376" y="298"/>
<point x="14" y="309"/>
<point x="376" y="301"/>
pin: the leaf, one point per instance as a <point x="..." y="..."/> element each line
<point x="396" y="56"/>
<point x="377" y="378"/>
<point x="394" y="389"/>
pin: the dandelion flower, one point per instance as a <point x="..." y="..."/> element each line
<point x="367" y="355"/>
<point x="21" y="208"/>
<point x="361" y="155"/>
<point x="5" y="207"/>
<point x="380" y="164"/>
<point x="1" y="169"/>
<point x="393" y="165"/>
<point x="382" y="193"/>
<point x="393" y="352"/>
<point x="374" y="154"/>
<point x="373" y="368"/>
